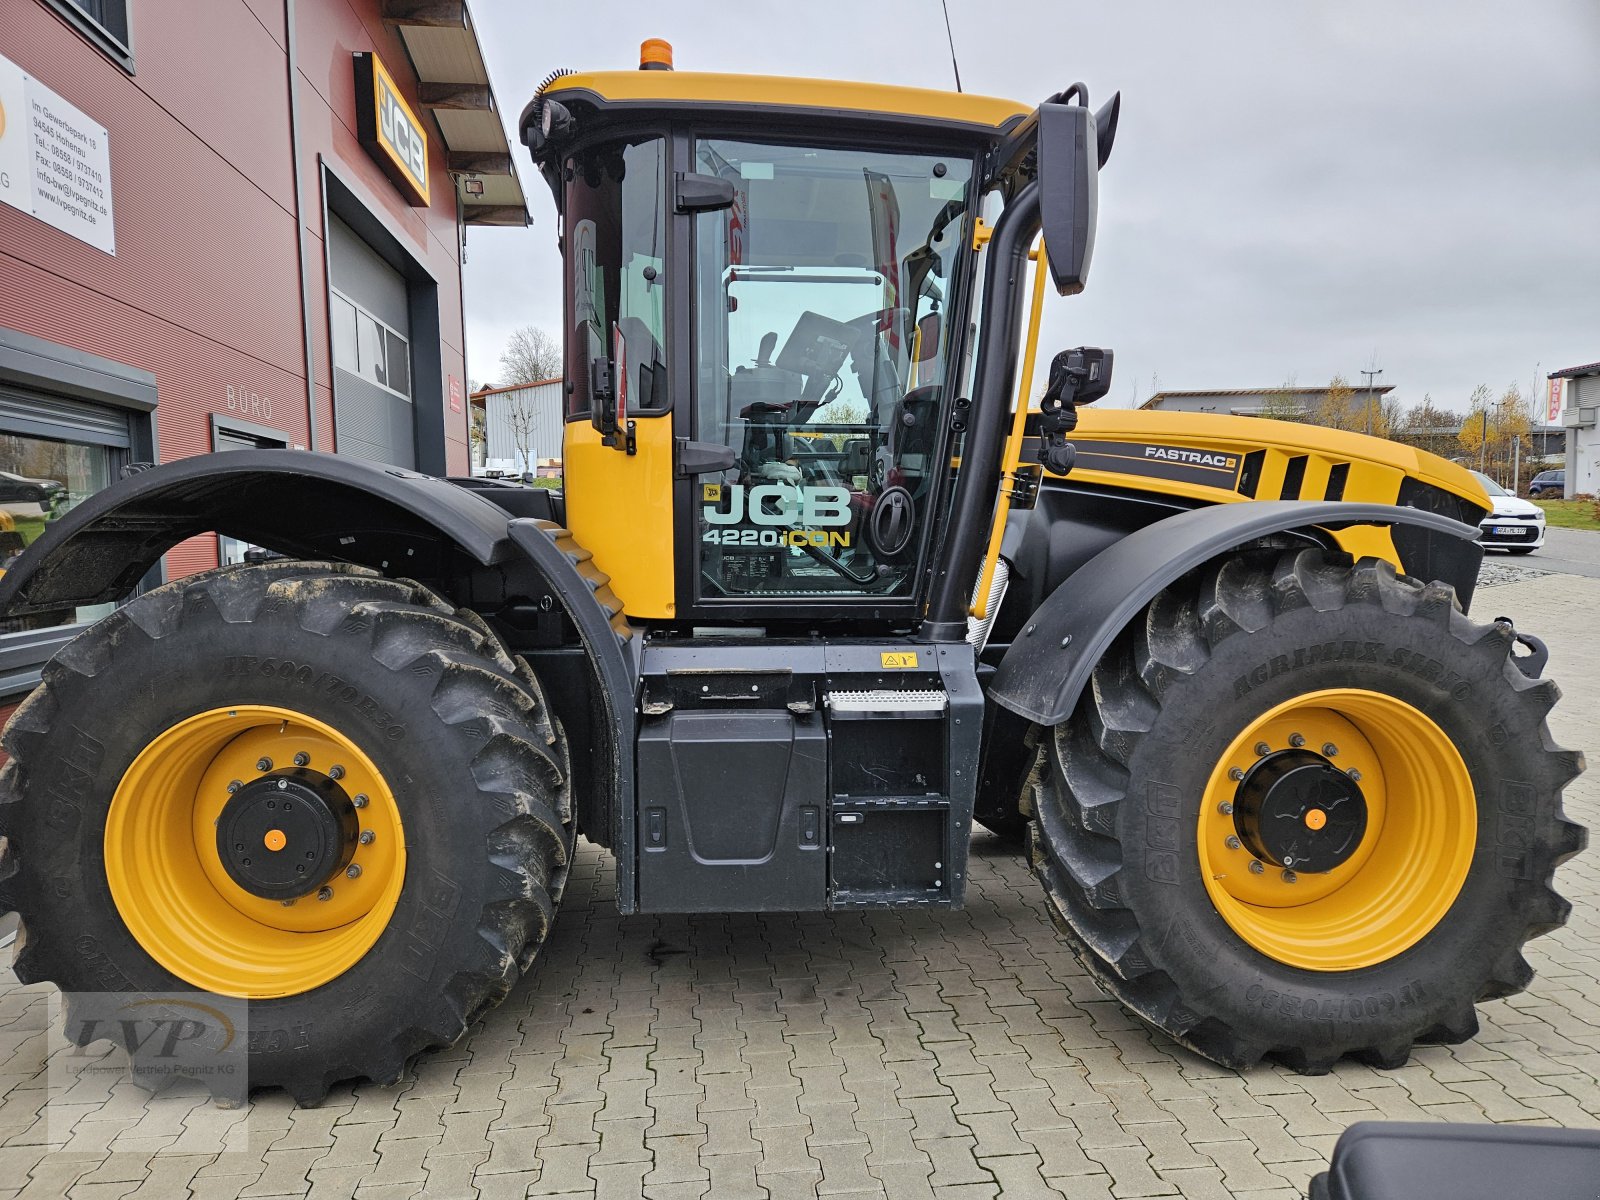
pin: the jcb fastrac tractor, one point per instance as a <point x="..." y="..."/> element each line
<point x="822" y="591"/>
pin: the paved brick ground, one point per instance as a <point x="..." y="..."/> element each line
<point x="886" y="1054"/>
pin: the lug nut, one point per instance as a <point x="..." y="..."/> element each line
<point x="359" y="800"/>
<point x="325" y="894"/>
<point x="368" y="837"/>
<point x="1262" y="749"/>
<point x="1225" y="808"/>
<point x="335" y="772"/>
<point x="263" y="764"/>
<point x="1354" y="774"/>
<point x="283" y="785"/>
<point x="233" y="786"/>
<point x="1290" y="877"/>
<point x="1329" y="750"/>
<point x="353" y="871"/>
<point x="1296" y="740"/>
<point x="1255" y="867"/>
<point x="1236" y="773"/>
<point x="1233" y="843"/>
<point x="301" y="759"/>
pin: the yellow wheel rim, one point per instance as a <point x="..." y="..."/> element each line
<point x="178" y="898"/>
<point x="1402" y="876"/>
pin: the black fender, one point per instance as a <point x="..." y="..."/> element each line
<point x="294" y="502"/>
<point x="1048" y="665"/>
<point x="323" y="506"/>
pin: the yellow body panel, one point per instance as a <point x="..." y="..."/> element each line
<point x="708" y="90"/>
<point x="1375" y="467"/>
<point x="619" y="507"/>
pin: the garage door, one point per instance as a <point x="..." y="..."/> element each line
<point x="368" y="303"/>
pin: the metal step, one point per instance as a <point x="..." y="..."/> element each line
<point x="882" y="702"/>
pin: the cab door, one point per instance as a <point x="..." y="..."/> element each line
<point x="619" y="484"/>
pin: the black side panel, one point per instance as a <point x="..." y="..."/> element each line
<point x="1048" y="665"/>
<point x="1068" y="525"/>
<point x="542" y="504"/>
<point x="1405" y="1160"/>
<point x="733" y="820"/>
<point x="297" y="503"/>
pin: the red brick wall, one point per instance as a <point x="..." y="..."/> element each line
<point x="204" y="289"/>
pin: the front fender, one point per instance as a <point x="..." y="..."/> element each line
<point x="1049" y="663"/>
<point x="299" y="503"/>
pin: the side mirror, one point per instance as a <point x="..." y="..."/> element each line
<point x="704" y="193"/>
<point x="1069" y="186"/>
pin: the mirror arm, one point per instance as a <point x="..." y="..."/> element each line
<point x="971" y="506"/>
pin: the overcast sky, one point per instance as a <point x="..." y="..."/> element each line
<point x="1296" y="187"/>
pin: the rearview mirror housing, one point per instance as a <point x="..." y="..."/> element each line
<point x="1069" y="187"/>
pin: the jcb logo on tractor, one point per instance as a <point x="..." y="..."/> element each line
<point x="779" y="504"/>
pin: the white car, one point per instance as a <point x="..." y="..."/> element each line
<point x="1513" y="524"/>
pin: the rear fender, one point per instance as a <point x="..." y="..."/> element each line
<point x="318" y="506"/>
<point x="293" y="502"/>
<point x="1048" y="665"/>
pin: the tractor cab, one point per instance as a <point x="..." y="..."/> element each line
<point x="771" y="318"/>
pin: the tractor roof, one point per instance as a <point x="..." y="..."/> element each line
<point x="719" y="94"/>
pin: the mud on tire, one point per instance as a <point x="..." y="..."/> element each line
<point x="1116" y="791"/>
<point x="479" y="772"/>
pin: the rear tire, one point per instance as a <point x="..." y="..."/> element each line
<point x="456" y="729"/>
<point x="1125" y="799"/>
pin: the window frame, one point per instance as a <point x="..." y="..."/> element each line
<point x="34" y="364"/>
<point x="389" y="331"/>
<point x="962" y="306"/>
<point x="98" y="35"/>
<point x="638" y="133"/>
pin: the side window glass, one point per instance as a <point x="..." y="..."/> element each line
<point x="616" y="263"/>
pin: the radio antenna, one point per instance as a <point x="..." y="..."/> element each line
<point x="954" y="66"/>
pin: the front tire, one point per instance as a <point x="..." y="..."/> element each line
<point x="434" y="816"/>
<point x="1161" y="844"/>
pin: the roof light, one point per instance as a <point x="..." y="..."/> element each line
<point x="655" y="54"/>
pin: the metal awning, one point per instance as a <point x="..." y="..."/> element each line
<point x="453" y="85"/>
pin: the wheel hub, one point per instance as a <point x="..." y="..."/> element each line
<point x="1297" y="810"/>
<point x="286" y="834"/>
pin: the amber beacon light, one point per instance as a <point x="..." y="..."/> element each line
<point x="655" y="54"/>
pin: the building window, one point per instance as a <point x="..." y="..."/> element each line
<point x="231" y="550"/>
<point x="41" y="480"/>
<point x="104" y="22"/>
<point x="365" y="346"/>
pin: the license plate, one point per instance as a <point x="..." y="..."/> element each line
<point x="1507" y="530"/>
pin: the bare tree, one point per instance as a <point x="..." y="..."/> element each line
<point x="519" y="415"/>
<point x="1492" y="428"/>
<point x="530" y="355"/>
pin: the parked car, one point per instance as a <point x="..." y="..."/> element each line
<point x="20" y="489"/>
<point x="1512" y="524"/>
<point x="1553" y="483"/>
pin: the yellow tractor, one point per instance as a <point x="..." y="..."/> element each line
<point x="823" y="590"/>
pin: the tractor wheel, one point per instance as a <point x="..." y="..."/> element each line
<point x="301" y="784"/>
<point x="1305" y="809"/>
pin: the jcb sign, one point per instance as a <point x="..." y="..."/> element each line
<point x="390" y="131"/>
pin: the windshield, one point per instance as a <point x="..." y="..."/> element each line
<point x="1489" y="485"/>
<point x="823" y="302"/>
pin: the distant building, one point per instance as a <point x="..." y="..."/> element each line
<point x="1257" y="402"/>
<point x="1580" y="413"/>
<point x="521" y="429"/>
